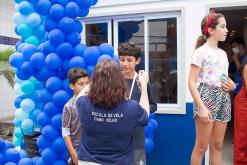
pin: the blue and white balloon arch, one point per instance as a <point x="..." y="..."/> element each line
<point x="48" y="48"/>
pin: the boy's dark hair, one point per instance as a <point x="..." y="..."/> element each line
<point x="76" y="73"/>
<point x="238" y="40"/>
<point x="129" y="49"/>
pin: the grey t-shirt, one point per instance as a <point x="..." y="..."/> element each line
<point x="72" y="122"/>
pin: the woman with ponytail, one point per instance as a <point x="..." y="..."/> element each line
<point x="212" y="107"/>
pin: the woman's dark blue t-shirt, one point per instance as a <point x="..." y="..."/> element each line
<point x="108" y="133"/>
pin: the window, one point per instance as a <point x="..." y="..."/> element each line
<point x="158" y="35"/>
<point x="96" y="34"/>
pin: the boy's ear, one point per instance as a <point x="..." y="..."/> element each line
<point x="71" y="86"/>
<point x="138" y="61"/>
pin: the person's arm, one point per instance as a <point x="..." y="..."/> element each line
<point x="204" y="113"/>
<point x="152" y="102"/>
<point x="66" y="119"/>
<point x="143" y="80"/>
<point x="71" y="149"/>
<point x="244" y="72"/>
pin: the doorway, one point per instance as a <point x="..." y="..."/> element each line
<point x="236" y="19"/>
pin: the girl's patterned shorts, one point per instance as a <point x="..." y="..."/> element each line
<point x="216" y="100"/>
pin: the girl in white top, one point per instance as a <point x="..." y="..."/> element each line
<point x="209" y="85"/>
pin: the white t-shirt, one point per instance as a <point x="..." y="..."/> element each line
<point x="213" y="63"/>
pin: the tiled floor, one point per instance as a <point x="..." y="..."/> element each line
<point x="228" y="147"/>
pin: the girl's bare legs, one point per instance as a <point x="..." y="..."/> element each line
<point x="203" y="134"/>
<point x="216" y="142"/>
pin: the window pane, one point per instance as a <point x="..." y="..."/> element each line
<point x="132" y="31"/>
<point x="163" y="59"/>
<point x="96" y="34"/>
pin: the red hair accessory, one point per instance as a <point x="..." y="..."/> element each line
<point x="209" y="21"/>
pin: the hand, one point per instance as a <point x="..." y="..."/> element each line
<point x="235" y="57"/>
<point x="143" y="78"/>
<point x="228" y="85"/>
<point x="74" y="158"/>
<point x="205" y="115"/>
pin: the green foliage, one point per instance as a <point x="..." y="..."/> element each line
<point x="4" y="54"/>
<point x="5" y="69"/>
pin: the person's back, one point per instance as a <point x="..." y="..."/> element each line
<point x="108" y="133"/>
<point x="108" y="118"/>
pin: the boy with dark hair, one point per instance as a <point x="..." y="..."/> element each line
<point x="71" y="126"/>
<point x="129" y="57"/>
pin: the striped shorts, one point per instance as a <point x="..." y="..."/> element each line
<point x="216" y="100"/>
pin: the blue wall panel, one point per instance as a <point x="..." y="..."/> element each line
<point x="174" y="139"/>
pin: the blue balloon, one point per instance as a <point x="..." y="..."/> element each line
<point x="59" y="146"/>
<point x="59" y="162"/>
<point x="26" y="161"/>
<point x="64" y="156"/>
<point x="7" y="146"/>
<point x="149" y="129"/>
<point x="78" y="26"/>
<point x="51" y="109"/>
<point x="64" y="50"/>
<point x="10" y="163"/>
<point x="61" y="97"/>
<point x="34" y="114"/>
<point x="49" y="156"/>
<point x="79" y="49"/>
<point x="39" y="32"/>
<point x="2" y="144"/>
<point x="27" y="105"/>
<point x="25" y="8"/>
<point x="103" y="57"/>
<point x="19" y="18"/>
<point x="43" y="6"/>
<point x="18" y="133"/>
<point x="106" y="49"/>
<point x="48" y="47"/>
<point x="57" y="12"/>
<point x="16" y="60"/>
<point x="32" y="1"/>
<point x="27" y="69"/>
<point x="90" y="69"/>
<point x="65" y="65"/>
<point x="2" y="161"/>
<point x="28" y="51"/>
<point x="94" y="2"/>
<point x="56" y="121"/>
<point x="20" y="114"/>
<point x="18" y="43"/>
<point x="35" y="159"/>
<point x="42" y="143"/>
<point x="33" y="20"/>
<point x="151" y="116"/>
<point x="20" y="47"/>
<point x="41" y="161"/>
<point x="23" y="30"/>
<point x="154" y="123"/>
<point x="23" y="155"/>
<point x="77" y="61"/>
<point x="83" y="11"/>
<point x="27" y="126"/>
<point x="67" y="87"/>
<point x="37" y="60"/>
<point x="12" y="155"/>
<point x="56" y="37"/>
<point x="91" y="55"/>
<point x="18" y="1"/>
<point x="43" y="119"/>
<point x="32" y="40"/>
<point x="45" y="95"/>
<point x="61" y="74"/>
<point x="53" y="61"/>
<point x="63" y="2"/>
<point x="27" y="87"/>
<point x="49" y="24"/>
<point x="84" y="3"/>
<point x="53" y="84"/>
<point x="49" y="133"/>
<point x="18" y="102"/>
<point x="45" y="73"/>
<point x="72" y="9"/>
<point x="67" y="25"/>
<point x="21" y="75"/>
<point x="73" y="38"/>
<point x="149" y="144"/>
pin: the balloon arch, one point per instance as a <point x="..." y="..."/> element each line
<point x="48" y="48"/>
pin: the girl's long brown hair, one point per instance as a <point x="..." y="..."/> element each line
<point x="108" y="86"/>
<point x="202" y="39"/>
